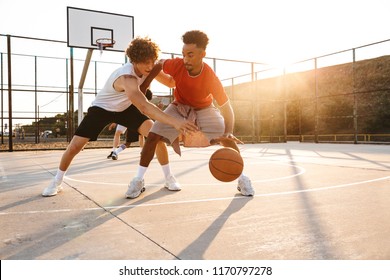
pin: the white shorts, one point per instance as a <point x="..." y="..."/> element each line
<point x="209" y="120"/>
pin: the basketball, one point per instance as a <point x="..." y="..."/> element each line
<point x="226" y="164"/>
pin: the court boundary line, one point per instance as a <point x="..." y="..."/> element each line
<point x="108" y="208"/>
<point x="302" y="171"/>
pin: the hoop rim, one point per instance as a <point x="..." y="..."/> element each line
<point x="105" y="43"/>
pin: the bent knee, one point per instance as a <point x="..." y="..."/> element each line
<point x="153" y="137"/>
<point x="75" y="147"/>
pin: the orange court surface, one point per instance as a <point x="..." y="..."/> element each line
<point x="312" y="202"/>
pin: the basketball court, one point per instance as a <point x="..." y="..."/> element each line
<point x="312" y="202"/>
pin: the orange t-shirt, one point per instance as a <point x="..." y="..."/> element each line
<point x="195" y="91"/>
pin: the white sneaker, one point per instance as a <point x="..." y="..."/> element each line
<point x="54" y="188"/>
<point x="136" y="187"/>
<point x="171" y="184"/>
<point x="114" y="156"/>
<point x="245" y="186"/>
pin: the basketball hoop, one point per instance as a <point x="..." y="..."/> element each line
<point x="103" y="43"/>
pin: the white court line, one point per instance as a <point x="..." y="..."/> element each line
<point x="197" y="200"/>
<point x="301" y="171"/>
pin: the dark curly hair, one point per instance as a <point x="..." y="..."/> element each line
<point x="196" y="37"/>
<point x="142" y="50"/>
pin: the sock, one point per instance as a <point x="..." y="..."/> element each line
<point x="141" y="171"/>
<point x="60" y="175"/>
<point x="166" y="169"/>
<point x="120" y="148"/>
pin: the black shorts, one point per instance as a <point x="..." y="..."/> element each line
<point x="132" y="136"/>
<point x="97" y="119"/>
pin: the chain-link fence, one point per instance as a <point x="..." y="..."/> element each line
<point x="39" y="81"/>
<point x="340" y="97"/>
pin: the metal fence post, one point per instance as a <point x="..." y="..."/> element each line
<point x="10" y="148"/>
<point x="316" y="102"/>
<point x="355" y="121"/>
<point x="284" y="105"/>
<point x="36" y="102"/>
<point x="67" y="98"/>
<point x="1" y="89"/>
<point x="253" y="72"/>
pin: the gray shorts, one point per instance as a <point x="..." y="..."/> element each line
<point x="209" y="120"/>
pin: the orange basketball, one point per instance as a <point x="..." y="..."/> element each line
<point x="226" y="164"/>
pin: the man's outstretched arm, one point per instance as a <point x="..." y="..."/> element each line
<point x="146" y="83"/>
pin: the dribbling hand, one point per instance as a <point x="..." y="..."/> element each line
<point x="227" y="137"/>
<point x="187" y="127"/>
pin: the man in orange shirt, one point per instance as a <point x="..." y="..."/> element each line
<point x="196" y="85"/>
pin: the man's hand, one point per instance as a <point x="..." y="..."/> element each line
<point x="149" y="94"/>
<point x="227" y="137"/>
<point x="186" y="126"/>
<point x="112" y="125"/>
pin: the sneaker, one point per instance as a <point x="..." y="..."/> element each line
<point x="54" y="188"/>
<point x="136" y="187"/>
<point x="110" y="155"/>
<point x="171" y="184"/>
<point x="245" y="186"/>
<point x="114" y="156"/>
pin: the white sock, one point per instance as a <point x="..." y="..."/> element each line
<point x="141" y="171"/>
<point x="60" y="175"/>
<point x="166" y="169"/>
<point x="120" y="148"/>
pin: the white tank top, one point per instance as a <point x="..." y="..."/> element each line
<point x="110" y="99"/>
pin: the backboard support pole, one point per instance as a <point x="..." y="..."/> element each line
<point x="81" y="85"/>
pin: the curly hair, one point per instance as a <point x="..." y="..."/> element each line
<point x="196" y="37"/>
<point x="142" y="50"/>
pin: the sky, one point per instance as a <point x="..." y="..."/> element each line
<point x="275" y="32"/>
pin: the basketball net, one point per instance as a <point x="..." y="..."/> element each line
<point x="103" y="43"/>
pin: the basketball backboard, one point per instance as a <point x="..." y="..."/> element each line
<point x="86" y="26"/>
